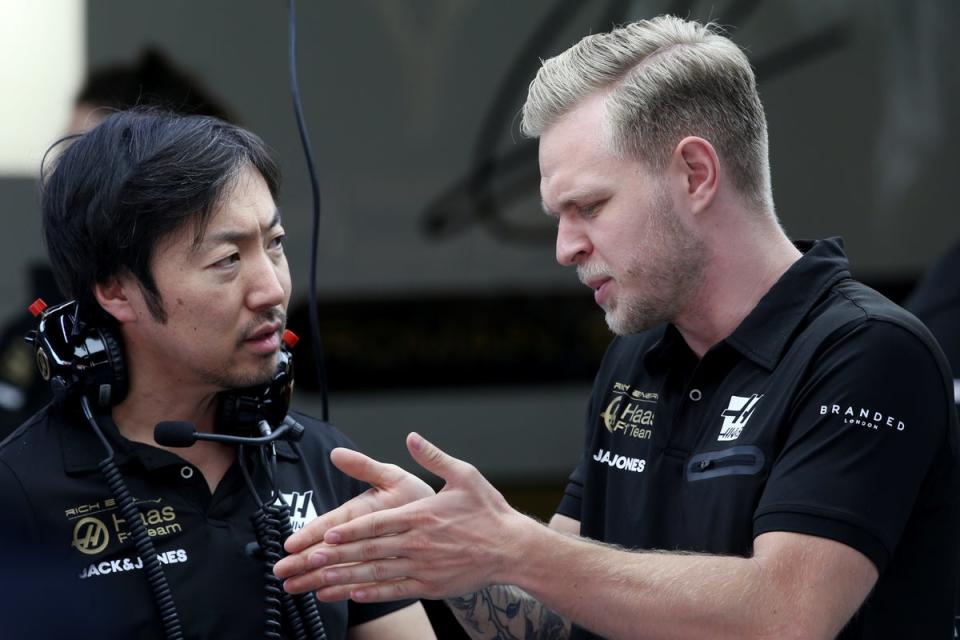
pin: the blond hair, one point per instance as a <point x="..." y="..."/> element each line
<point x="666" y="79"/>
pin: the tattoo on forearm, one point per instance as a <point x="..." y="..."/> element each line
<point x="507" y="613"/>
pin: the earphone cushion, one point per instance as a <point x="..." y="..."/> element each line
<point x="114" y="347"/>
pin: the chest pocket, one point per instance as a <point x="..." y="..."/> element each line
<point x="742" y="460"/>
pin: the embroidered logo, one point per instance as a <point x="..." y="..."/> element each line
<point x="736" y="414"/>
<point x="90" y="536"/>
<point x="302" y="510"/>
<point x="637" y="465"/>
<point x="630" y="411"/>
<point x="862" y="416"/>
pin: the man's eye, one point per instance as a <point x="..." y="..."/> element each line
<point x="229" y="261"/>
<point x="277" y="243"/>
<point x="590" y="210"/>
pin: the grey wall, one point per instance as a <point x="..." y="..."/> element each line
<point x="860" y="96"/>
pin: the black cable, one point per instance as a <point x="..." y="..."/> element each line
<point x="310" y="478"/>
<point x="305" y="602"/>
<point x="266" y="527"/>
<point x="251" y="487"/>
<point x="272" y="527"/>
<point x="141" y="540"/>
<point x="318" y="358"/>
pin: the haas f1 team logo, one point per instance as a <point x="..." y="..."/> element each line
<point x="90" y="536"/>
<point x="736" y="414"/>
<point x="302" y="510"/>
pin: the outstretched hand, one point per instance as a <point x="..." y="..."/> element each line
<point x="390" y="486"/>
<point x="399" y="539"/>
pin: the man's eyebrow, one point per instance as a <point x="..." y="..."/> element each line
<point x="572" y="199"/>
<point x="275" y="221"/>
<point x="231" y="236"/>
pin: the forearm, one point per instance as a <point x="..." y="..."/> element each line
<point x="508" y="613"/>
<point x="649" y="595"/>
<point x="625" y="594"/>
<point x="467" y="537"/>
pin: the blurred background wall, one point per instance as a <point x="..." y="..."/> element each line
<point x="441" y="306"/>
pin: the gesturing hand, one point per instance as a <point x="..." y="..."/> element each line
<point x="390" y="486"/>
<point x="400" y="540"/>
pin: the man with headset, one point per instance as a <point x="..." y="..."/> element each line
<point x="151" y="79"/>
<point x="165" y="232"/>
<point x="771" y="448"/>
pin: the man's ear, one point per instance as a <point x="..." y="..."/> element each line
<point x="699" y="166"/>
<point x="117" y="296"/>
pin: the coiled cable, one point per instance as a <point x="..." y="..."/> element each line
<point x="272" y="527"/>
<point x="141" y="540"/>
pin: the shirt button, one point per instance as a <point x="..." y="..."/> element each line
<point x="695" y="395"/>
<point x="186" y="472"/>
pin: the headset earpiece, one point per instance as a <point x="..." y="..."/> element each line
<point x="240" y="410"/>
<point x="76" y="358"/>
<point x="115" y="374"/>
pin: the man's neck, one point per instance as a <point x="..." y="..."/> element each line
<point x="138" y="414"/>
<point x="742" y="265"/>
<point x="142" y="409"/>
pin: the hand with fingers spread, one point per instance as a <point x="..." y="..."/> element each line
<point x="401" y="540"/>
<point x="390" y="486"/>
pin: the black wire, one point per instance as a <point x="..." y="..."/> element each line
<point x="266" y="526"/>
<point x="318" y="358"/>
<point x="272" y="527"/>
<point x="242" y="461"/>
<point x="305" y="603"/>
<point x="142" y="542"/>
<point x="310" y="478"/>
<point x="269" y="463"/>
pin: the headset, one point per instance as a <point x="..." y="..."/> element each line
<point x="79" y="358"/>
<point x="85" y="362"/>
<point x="76" y="357"/>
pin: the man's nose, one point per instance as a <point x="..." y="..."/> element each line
<point x="573" y="245"/>
<point x="267" y="283"/>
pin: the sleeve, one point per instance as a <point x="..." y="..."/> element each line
<point x="573" y="495"/>
<point x="863" y="434"/>
<point x="572" y="500"/>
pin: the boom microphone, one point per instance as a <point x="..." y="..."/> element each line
<point x="179" y="434"/>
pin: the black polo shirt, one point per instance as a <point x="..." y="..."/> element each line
<point x="68" y="567"/>
<point x="827" y="412"/>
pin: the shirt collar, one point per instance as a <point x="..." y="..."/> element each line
<point x="83" y="451"/>
<point x="763" y="335"/>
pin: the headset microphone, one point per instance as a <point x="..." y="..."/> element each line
<point x="179" y="434"/>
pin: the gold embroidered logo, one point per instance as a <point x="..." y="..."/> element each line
<point x="90" y="536"/>
<point x="630" y="411"/>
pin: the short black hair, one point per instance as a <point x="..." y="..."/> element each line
<point x="133" y="180"/>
